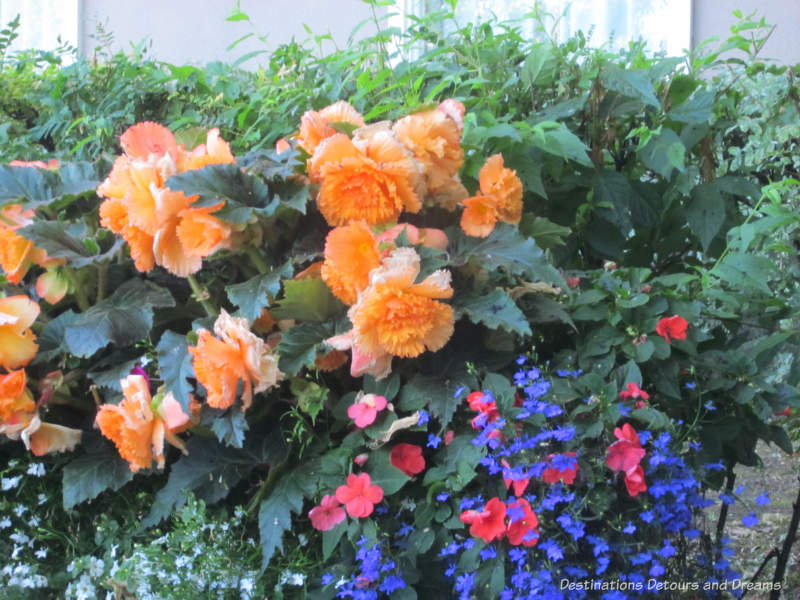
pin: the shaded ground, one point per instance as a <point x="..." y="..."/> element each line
<point x="779" y="478"/>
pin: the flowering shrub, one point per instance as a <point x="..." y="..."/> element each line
<point x="326" y="334"/>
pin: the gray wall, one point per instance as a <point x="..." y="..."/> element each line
<point x="196" y="32"/>
<point x="714" y="18"/>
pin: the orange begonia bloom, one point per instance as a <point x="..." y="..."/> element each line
<point x="220" y="364"/>
<point x="351" y="252"/>
<point x="160" y="226"/>
<point x="372" y="177"/>
<point x="434" y="137"/>
<point x="398" y="317"/>
<point x="16" y="253"/>
<point x="427" y="236"/>
<point x="315" y="125"/>
<point x="139" y="424"/>
<point x="500" y="199"/>
<point x="17" y="342"/>
<point x="20" y="419"/>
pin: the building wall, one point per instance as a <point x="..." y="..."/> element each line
<point x="196" y="32"/>
<point x="715" y="17"/>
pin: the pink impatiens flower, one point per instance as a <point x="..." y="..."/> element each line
<point x="365" y="409"/>
<point x="358" y="495"/>
<point x="625" y="455"/>
<point x="327" y="515"/>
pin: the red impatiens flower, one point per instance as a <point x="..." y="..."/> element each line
<point x="520" y="485"/>
<point x="523" y="525"/>
<point x="408" y="458"/>
<point x="626" y="453"/>
<point x="359" y="495"/>
<point x="448" y="437"/>
<point x="485" y="405"/>
<point x="554" y="473"/>
<point x="672" y="328"/>
<point x="633" y="391"/>
<point x="634" y="481"/>
<point x="365" y="409"/>
<point x="489" y="523"/>
<point x="327" y="515"/>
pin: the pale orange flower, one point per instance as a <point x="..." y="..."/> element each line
<point x="500" y="199"/>
<point x="372" y="177"/>
<point x="52" y="285"/>
<point x="50" y="165"/>
<point x="426" y="236"/>
<point x="17" y="342"/>
<point x="215" y="151"/>
<point x="434" y="137"/>
<point x="219" y="364"/>
<point x="379" y="365"/>
<point x="20" y="419"/>
<point x="315" y="125"/>
<point x="160" y="226"/>
<point x="138" y="425"/>
<point x="351" y="252"/>
<point x="17" y="254"/>
<point x="398" y="317"/>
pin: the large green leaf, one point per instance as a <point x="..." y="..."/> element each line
<point x="78" y="177"/>
<point x="745" y="272"/>
<point x="632" y="83"/>
<point x="435" y="394"/>
<point x="298" y="345"/>
<point x="231" y="427"/>
<point x="211" y="469"/>
<point x="696" y="109"/>
<point x="51" y="340"/>
<point x="545" y="233"/>
<point x="175" y="366"/>
<point x="34" y="186"/>
<point x="99" y="470"/>
<point x="384" y="473"/>
<point x="664" y="153"/>
<point x="613" y="194"/>
<point x="122" y="319"/>
<point x="253" y="295"/>
<point x="554" y="138"/>
<point x="495" y="310"/>
<point x="307" y="300"/>
<point x="66" y="241"/>
<point x="706" y="212"/>
<point x="504" y="248"/>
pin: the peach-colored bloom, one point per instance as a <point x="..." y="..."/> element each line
<point x="19" y="419"/>
<point x="500" y="199"/>
<point x="379" y="366"/>
<point x="17" y="254"/>
<point x="434" y="137"/>
<point x="215" y="151"/>
<point x="147" y="140"/>
<point x="351" y="252"/>
<point x="331" y="360"/>
<point x="315" y="126"/>
<point x="398" y="317"/>
<point x="17" y="342"/>
<point x="372" y="177"/>
<point x="220" y="364"/>
<point x="52" y="285"/>
<point x="426" y="236"/>
<point x="139" y="425"/>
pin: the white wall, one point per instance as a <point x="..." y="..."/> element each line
<point x="196" y="32"/>
<point x="715" y="17"/>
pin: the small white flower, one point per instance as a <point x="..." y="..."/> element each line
<point x="36" y="469"/>
<point x="41" y="498"/>
<point x="5" y="523"/>
<point x="96" y="567"/>
<point x="9" y="483"/>
<point x="41" y="553"/>
<point x="302" y="539"/>
<point x="19" y="537"/>
<point x="20" y="509"/>
<point x="34" y="521"/>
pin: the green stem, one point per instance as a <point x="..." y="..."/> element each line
<point x="77" y="286"/>
<point x="102" y="276"/>
<point x="201" y="295"/>
<point x="255" y="256"/>
<point x="275" y="471"/>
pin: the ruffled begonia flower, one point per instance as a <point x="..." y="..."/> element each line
<point x="408" y="458"/>
<point x="500" y="199"/>
<point x="559" y="471"/>
<point x="519" y="485"/>
<point x="488" y="523"/>
<point x="19" y="419"/>
<point x="236" y="354"/>
<point x="672" y="328"/>
<point x="358" y="495"/>
<point x="315" y="126"/>
<point x="351" y="253"/>
<point x="372" y="178"/>
<point x="18" y="254"/>
<point x="161" y="226"/>
<point x="365" y="409"/>
<point x="327" y="515"/>
<point x="17" y="342"/>
<point x="138" y="425"/>
<point x="426" y="236"/>
<point x="361" y="363"/>
<point x="434" y="138"/>
<point x="396" y="316"/>
<point x="522" y="529"/>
